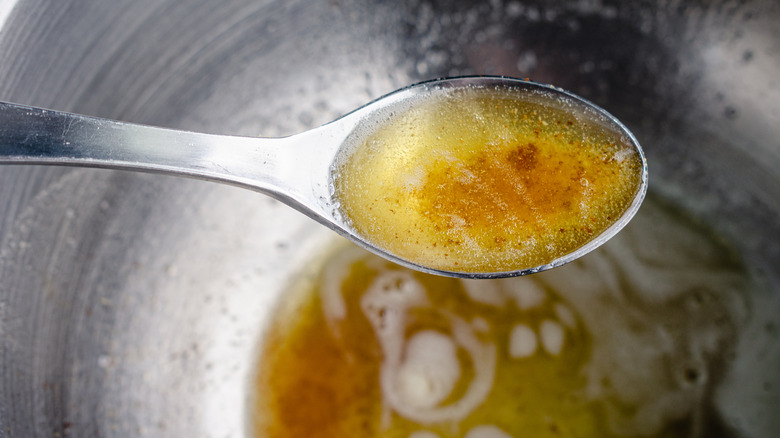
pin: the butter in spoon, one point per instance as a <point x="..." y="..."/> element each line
<point x="477" y="177"/>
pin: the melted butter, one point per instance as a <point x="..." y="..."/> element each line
<point x="324" y="383"/>
<point x="581" y="351"/>
<point x="488" y="180"/>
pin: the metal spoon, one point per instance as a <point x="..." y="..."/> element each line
<point x="296" y="170"/>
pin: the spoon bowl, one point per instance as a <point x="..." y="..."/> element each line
<point x="299" y="170"/>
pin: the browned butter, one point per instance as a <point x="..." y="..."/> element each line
<point x="632" y="341"/>
<point x="487" y="180"/>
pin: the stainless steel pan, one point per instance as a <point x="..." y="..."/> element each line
<point x="132" y="304"/>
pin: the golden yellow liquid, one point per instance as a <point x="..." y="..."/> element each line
<point x="487" y="180"/>
<point x="314" y="383"/>
<point x="651" y="323"/>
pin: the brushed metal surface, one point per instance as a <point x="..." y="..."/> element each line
<point x="132" y="304"/>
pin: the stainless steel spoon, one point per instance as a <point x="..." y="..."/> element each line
<point x="296" y="170"/>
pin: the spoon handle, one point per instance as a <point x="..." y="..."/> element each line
<point x="279" y="167"/>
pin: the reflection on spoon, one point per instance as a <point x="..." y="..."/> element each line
<point x="473" y="177"/>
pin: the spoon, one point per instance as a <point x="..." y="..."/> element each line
<point x="301" y="171"/>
